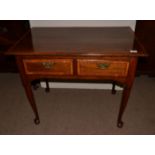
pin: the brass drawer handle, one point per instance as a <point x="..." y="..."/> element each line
<point x="103" y="65"/>
<point x="48" y="65"/>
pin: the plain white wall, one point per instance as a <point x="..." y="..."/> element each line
<point x="88" y="23"/>
<point x="100" y="23"/>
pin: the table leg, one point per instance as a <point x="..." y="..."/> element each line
<point x="47" y="89"/>
<point x="36" y="84"/>
<point x="127" y="90"/>
<point x="113" y="88"/>
<point x="125" y="97"/>
<point x="28" y="88"/>
<point x="29" y="93"/>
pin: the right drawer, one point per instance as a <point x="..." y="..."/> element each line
<point x="95" y="67"/>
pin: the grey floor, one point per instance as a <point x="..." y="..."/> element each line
<point x="76" y="111"/>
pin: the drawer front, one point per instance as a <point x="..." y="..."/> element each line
<point x="49" y="66"/>
<point x="102" y="67"/>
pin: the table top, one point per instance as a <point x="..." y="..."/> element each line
<point x="104" y="41"/>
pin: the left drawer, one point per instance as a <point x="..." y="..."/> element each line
<point x="48" y="66"/>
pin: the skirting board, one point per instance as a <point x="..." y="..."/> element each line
<point x="79" y="85"/>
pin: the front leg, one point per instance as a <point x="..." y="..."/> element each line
<point x="28" y="88"/>
<point x="124" y="101"/>
<point x="29" y="93"/>
<point x="127" y="90"/>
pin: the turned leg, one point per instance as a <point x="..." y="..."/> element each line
<point x="113" y="88"/>
<point x="47" y="89"/>
<point x="124" y="101"/>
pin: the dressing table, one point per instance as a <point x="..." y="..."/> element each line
<point x="91" y="54"/>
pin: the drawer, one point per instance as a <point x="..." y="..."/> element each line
<point x="48" y="66"/>
<point x="93" y="67"/>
